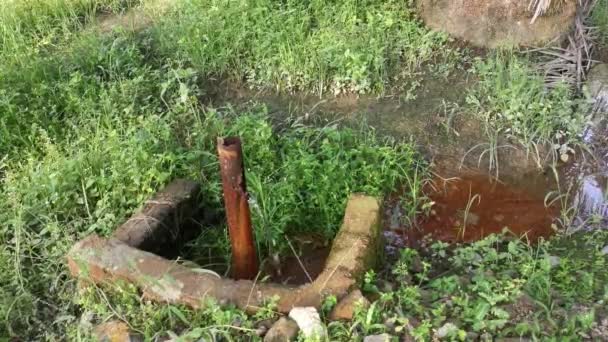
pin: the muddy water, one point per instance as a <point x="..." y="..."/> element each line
<point x="425" y="117"/>
<point x="591" y="198"/>
<point x="465" y="209"/>
<point x="589" y="178"/>
<point x="472" y="206"/>
<point x="434" y="118"/>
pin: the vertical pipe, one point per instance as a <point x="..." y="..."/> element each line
<point x="244" y="258"/>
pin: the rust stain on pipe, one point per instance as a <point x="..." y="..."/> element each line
<point x="244" y="257"/>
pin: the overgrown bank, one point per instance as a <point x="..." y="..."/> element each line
<point x="106" y="129"/>
<point x="497" y="287"/>
<point x="92" y="124"/>
<point x="312" y="46"/>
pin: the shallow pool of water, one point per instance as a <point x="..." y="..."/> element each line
<point x="470" y="207"/>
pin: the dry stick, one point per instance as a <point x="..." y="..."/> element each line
<point x="101" y="292"/>
<point x="86" y="199"/>
<point x="338" y="265"/>
<point x="468" y="209"/>
<point x="570" y="64"/>
<point x="298" y="258"/>
<point x="255" y="281"/>
<point x="540" y="7"/>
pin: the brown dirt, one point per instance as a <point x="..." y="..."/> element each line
<point x="511" y="8"/>
<point x="296" y="270"/>
<point x="435" y="119"/>
<point x="165" y="221"/>
<point x="134" y="19"/>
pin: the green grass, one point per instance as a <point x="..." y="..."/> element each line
<point x="599" y="19"/>
<point x="92" y="125"/>
<point x="313" y="45"/>
<point x="28" y="27"/>
<point x="300" y="179"/>
<point x="85" y="144"/>
<point x="512" y="100"/>
<point x="51" y="93"/>
<point x="106" y="126"/>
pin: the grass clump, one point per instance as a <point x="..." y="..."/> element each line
<point x="300" y="178"/>
<point x="599" y="19"/>
<point x="316" y="46"/>
<point x="496" y="288"/>
<point x="511" y="98"/>
<point x="59" y="191"/>
<point x="299" y="182"/>
<point x="84" y="139"/>
<point x="153" y="321"/>
<point x="30" y="26"/>
<point x="94" y="76"/>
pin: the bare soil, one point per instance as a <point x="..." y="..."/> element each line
<point x="494" y="23"/>
<point x="134" y="19"/>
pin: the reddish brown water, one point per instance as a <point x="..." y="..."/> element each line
<point x="471" y="207"/>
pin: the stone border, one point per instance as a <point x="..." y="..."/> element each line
<point x="164" y="220"/>
<point x="104" y="260"/>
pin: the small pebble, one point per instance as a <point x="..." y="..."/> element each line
<point x="554" y="261"/>
<point x="446" y="330"/>
<point x="378" y="338"/>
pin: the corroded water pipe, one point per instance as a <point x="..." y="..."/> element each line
<point x="244" y="257"/>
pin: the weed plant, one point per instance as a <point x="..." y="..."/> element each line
<point x="599" y="19"/>
<point x="299" y="179"/>
<point x="91" y="126"/>
<point x="312" y="45"/>
<point x="30" y="26"/>
<point x="511" y="99"/>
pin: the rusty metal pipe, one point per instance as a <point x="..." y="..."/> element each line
<point x="244" y="257"/>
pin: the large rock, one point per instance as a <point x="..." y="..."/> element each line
<point x="345" y="308"/>
<point x="493" y="23"/>
<point x="115" y="331"/>
<point x="597" y="84"/>
<point x="378" y="338"/>
<point x="284" y="330"/>
<point x="309" y="321"/>
<point x="446" y="330"/>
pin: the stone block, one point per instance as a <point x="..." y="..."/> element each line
<point x="163" y="220"/>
